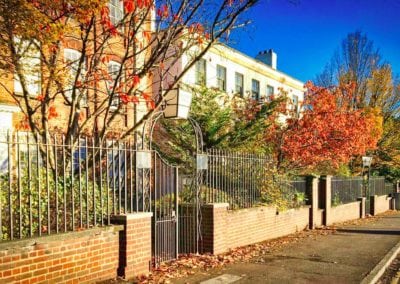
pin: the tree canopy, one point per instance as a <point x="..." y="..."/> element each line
<point x="376" y="87"/>
<point x="116" y="46"/>
<point x="328" y="132"/>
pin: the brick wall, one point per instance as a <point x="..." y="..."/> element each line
<point x="345" y="212"/>
<point x="380" y="204"/>
<point x="224" y="229"/>
<point x="76" y="257"/>
<point x="135" y="244"/>
<point x="81" y="257"/>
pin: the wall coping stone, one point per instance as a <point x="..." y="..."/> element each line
<point x="216" y="205"/>
<point x="381" y="196"/>
<point x="347" y="204"/>
<point x="133" y="216"/>
<point x="262" y="208"/>
<point x="56" y="237"/>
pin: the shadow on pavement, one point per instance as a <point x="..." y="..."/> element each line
<point x="375" y="232"/>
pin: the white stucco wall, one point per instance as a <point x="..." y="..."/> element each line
<point x="251" y="68"/>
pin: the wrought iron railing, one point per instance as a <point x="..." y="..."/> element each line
<point x="295" y="191"/>
<point x="346" y="189"/>
<point x="234" y="178"/>
<point x="389" y="188"/>
<point x="59" y="185"/>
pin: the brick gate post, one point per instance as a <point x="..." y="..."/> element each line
<point x="134" y="244"/>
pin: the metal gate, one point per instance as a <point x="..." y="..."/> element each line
<point x="165" y="211"/>
<point x="176" y="225"/>
<point x="190" y="238"/>
<point x="175" y="203"/>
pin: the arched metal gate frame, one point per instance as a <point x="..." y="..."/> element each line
<point x="176" y="226"/>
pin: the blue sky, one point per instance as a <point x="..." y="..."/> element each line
<point x="305" y="33"/>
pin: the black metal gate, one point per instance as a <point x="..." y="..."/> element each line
<point x="165" y="210"/>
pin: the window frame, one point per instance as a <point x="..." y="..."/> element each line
<point x="114" y="9"/>
<point x="115" y="103"/>
<point x="201" y="75"/>
<point x="71" y="62"/>
<point x="268" y="89"/>
<point x="221" y="80"/>
<point x="255" y="94"/>
<point x="295" y="103"/>
<point x="32" y="81"/>
<point x="239" y="89"/>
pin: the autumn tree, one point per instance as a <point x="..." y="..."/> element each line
<point x="359" y="61"/>
<point x="329" y="131"/>
<point x="116" y="46"/>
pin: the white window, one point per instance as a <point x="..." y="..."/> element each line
<point x="221" y="78"/>
<point x="295" y="102"/>
<point x="72" y="58"/>
<point x="200" y="72"/>
<point x="270" y="91"/>
<point x="239" y="83"/>
<point x="29" y="61"/>
<point x="113" y="71"/>
<point x="116" y="8"/>
<point x="255" y="89"/>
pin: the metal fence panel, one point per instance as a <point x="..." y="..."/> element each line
<point x="234" y="178"/>
<point x="346" y="189"/>
<point x="60" y="184"/>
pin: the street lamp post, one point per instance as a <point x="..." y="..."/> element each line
<point x="366" y="160"/>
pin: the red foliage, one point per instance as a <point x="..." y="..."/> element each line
<point x="52" y="112"/>
<point x="329" y="129"/>
<point x="129" y="6"/>
<point x="23" y="124"/>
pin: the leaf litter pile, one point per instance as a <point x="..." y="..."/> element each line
<point x="189" y="264"/>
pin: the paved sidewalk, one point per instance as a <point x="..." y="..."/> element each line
<point x="345" y="256"/>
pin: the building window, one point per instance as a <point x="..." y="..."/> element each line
<point x="113" y="71"/>
<point x="29" y="62"/>
<point x="295" y="102"/>
<point x="72" y="58"/>
<point x="116" y="8"/>
<point x="239" y="84"/>
<point x="255" y="89"/>
<point x="221" y="78"/>
<point x="201" y="75"/>
<point x="270" y="91"/>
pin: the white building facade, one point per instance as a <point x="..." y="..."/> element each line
<point x="235" y="73"/>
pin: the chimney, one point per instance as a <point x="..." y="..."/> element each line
<point x="268" y="57"/>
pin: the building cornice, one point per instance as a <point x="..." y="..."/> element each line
<point x="255" y="65"/>
<point x="9" y="108"/>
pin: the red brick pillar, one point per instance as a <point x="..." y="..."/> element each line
<point x="134" y="244"/>
<point x="214" y="227"/>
